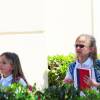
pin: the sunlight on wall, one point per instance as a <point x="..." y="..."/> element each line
<point x="96" y="6"/>
<point x="21" y="15"/>
<point x="32" y="53"/>
<point x="65" y="19"/>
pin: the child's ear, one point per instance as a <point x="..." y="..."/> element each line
<point x="92" y="49"/>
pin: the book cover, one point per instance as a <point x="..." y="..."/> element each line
<point x="81" y="74"/>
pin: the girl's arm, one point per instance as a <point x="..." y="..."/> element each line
<point x="21" y="81"/>
<point x="66" y="80"/>
<point x="94" y="83"/>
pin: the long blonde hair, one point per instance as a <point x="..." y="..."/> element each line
<point x="92" y="41"/>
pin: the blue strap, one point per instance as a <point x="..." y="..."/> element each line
<point x="71" y="69"/>
<point x="97" y="70"/>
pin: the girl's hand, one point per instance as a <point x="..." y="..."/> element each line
<point x="68" y="81"/>
<point x="91" y="82"/>
<point x="94" y="83"/>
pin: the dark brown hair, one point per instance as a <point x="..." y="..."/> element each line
<point x="17" y="70"/>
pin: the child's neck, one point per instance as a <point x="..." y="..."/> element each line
<point x="82" y="60"/>
<point x="6" y="75"/>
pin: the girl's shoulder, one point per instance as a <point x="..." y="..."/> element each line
<point x="98" y="62"/>
<point x="22" y="81"/>
<point x="72" y="65"/>
<point x="97" y="70"/>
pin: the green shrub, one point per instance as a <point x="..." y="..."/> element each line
<point x="16" y="92"/>
<point x="57" y="90"/>
<point x="58" y="66"/>
<point x="68" y="92"/>
<point x="60" y="60"/>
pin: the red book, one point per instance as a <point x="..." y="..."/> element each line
<point x="81" y="74"/>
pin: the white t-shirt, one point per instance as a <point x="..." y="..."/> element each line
<point x="8" y="80"/>
<point x="87" y="64"/>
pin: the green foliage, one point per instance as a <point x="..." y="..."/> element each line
<point x="57" y="90"/>
<point x="98" y="56"/>
<point x="58" y="66"/>
<point x="61" y="92"/>
<point x="15" y="92"/>
<point x="68" y="92"/>
<point x="60" y="60"/>
<point x="92" y="94"/>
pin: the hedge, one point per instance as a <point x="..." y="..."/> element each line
<point x="56" y="90"/>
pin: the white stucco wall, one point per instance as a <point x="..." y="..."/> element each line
<point x="21" y="15"/>
<point x="47" y="27"/>
<point x="22" y="32"/>
<point x="31" y="49"/>
<point x="65" y="19"/>
<point x="96" y="22"/>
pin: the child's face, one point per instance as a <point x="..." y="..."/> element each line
<point x="83" y="47"/>
<point x="5" y="66"/>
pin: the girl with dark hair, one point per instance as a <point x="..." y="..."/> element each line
<point x="10" y="67"/>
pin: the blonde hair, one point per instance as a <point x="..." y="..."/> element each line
<point x="92" y="41"/>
